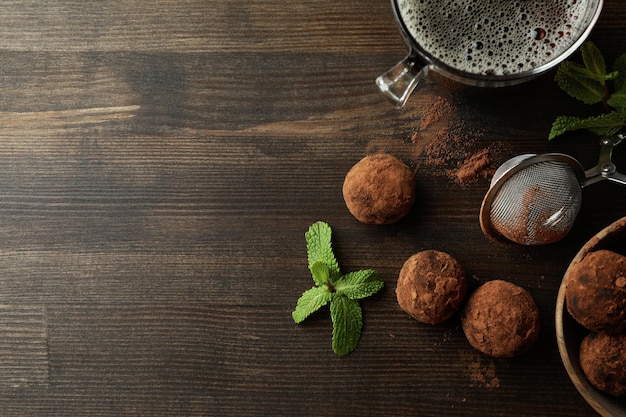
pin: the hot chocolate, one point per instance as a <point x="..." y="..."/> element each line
<point x="495" y="37"/>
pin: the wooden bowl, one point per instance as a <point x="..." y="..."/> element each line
<point x="569" y="333"/>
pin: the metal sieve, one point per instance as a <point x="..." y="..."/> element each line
<point x="534" y="199"/>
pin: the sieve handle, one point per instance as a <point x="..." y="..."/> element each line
<point x="398" y="83"/>
<point x="605" y="169"/>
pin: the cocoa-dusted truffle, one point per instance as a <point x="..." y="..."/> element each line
<point x="379" y="189"/>
<point x="431" y="287"/>
<point x="603" y="360"/>
<point x="501" y="319"/>
<point x="596" y="291"/>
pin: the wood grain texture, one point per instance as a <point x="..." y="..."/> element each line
<point x="159" y="165"/>
<point x="24" y="346"/>
<point x="195" y="26"/>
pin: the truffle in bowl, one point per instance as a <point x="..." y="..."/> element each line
<point x="584" y="274"/>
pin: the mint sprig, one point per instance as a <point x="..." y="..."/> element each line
<point x="593" y="84"/>
<point x="343" y="292"/>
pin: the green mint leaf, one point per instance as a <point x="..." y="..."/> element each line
<point x="604" y="131"/>
<point x="319" y="248"/>
<point x="588" y="84"/>
<point x="347" y="323"/>
<point x="342" y="292"/>
<point x="309" y="302"/>
<point x="360" y="284"/>
<point x="619" y="66"/>
<point x="603" y="125"/>
<point x="576" y="70"/>
<point x="593" y="59"/>
<point x="577" y="82"/>
<point x="563" y="124"/>
<point x="617" y="100"/>
<point x="320" y="273"/>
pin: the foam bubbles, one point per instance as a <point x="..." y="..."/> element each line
<point x="495" y="36"/>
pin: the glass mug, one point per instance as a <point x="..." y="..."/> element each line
<point x="486" y="43"/>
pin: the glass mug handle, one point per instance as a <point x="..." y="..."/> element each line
<point x="398" y="83"/>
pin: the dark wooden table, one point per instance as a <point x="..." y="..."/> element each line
<point x="160" y="163"/>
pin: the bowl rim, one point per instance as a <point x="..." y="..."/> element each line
<point x="602" y="403"/>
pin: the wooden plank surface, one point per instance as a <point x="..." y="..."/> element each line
<point x="159" y="165"/>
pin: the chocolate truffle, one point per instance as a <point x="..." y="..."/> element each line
<point x="501" y="319"/>
<point x="603" y="360"/>
<point x="431" y="287"/>
<point x="596" y="292"/>
<point x="379" y="189"/>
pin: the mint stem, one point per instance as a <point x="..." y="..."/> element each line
<point x="605" y="98"/>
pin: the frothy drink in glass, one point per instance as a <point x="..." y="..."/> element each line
<point x="494" y="36"/>
<point x="487" y="43"/>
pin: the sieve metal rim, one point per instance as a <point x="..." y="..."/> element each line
<point x="485" y="208"/>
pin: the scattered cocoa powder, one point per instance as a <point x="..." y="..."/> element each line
<point x="484" y="375"/>
<point x="443" y="145"/>
<point x="448" y="145"/>
<point x="474" y="167"/>
<point x="435" y="112"/>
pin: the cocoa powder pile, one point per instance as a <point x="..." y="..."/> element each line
<point x="439" y="108"/>
<point x="442" y="144"/>
<point x="476" y="166"/>
<point x="449" y="147"/>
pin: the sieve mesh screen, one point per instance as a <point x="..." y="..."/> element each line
<point x="538" y="204"/>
